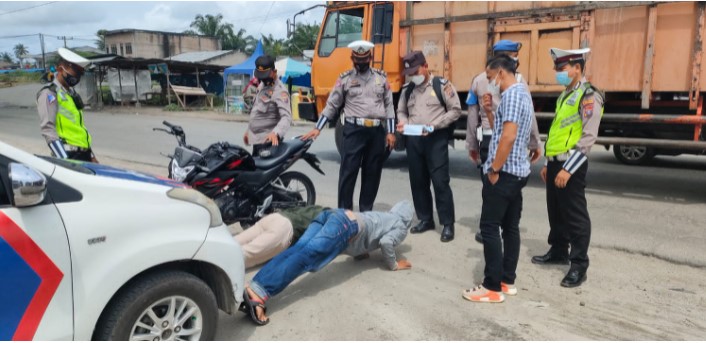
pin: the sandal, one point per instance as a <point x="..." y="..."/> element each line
<point x="251" y="304"/>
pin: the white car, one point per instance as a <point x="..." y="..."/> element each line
<point x="92" y="252"/>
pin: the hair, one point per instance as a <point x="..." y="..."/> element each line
<point x="581" y="63"/>
<point x="503" y="62"/>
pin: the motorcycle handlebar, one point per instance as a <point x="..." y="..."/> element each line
<point x="168" y="124"/>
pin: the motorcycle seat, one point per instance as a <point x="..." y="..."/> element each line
<point x="279" y="154"/>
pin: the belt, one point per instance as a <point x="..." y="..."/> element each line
<point x="560" y="158"/>
<point x="364" y="122"/>
<point x="72" y="148"/>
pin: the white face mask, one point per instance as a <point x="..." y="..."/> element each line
<point x="417" y="79"/>
<point x="494" y="87"/>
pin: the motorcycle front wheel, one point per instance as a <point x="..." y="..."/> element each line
<point x="293" y="189"/>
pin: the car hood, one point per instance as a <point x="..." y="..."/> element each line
<point x="117" y="173"/>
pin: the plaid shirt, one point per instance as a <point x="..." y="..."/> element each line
<point x="515" y="106"/>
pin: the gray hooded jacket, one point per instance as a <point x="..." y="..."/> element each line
<point x="383" y="230"/>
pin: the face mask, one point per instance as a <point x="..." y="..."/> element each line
<point x="70" y="79"/>
<point x="417" y="79"/>
<point x="562" y="77"/>
<point x="362" y="67"/>
<point x="494" y="87"/>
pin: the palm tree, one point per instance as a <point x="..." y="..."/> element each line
<point x="6" y="57"/>
<point x="241" y="42"/>
<point x="275" y="47"/>
<point x="20" y="51"/>
<point x="304" y="38"/>
<point x="210" y="25"/>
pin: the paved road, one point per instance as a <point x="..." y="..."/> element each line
<point x="648" y="234"/>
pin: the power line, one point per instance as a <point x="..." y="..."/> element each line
<point x="28" y="8"/>
<point x="266" y="15"/>
<point x="18" y="36"/>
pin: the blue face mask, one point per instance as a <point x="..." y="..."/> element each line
<point x="562" y="77"/>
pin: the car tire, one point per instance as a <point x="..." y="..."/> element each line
<point x="633" y="155"/>
<point x="132" y="311"/>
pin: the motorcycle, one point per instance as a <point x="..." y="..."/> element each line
<point x="244" y="187"/>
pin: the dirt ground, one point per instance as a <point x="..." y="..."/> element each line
<point x="628" y="295"/>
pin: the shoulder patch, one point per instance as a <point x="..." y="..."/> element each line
<point x="51" y="98"/>
<point x="284" y="96"/>
<point x="448" y="90"/>
<point x="587" y="106"/>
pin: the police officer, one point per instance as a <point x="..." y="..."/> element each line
<point x="482" y="106"/>
<point x="271" y="113"/>
<point x="366" y="99"/>
<point x="433" y="103"/>
<point x="571" y="135"/>
<point x="60" y="110"/>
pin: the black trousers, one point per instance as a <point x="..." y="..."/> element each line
<point x="484" y="148"/>
<point x="428" y="159"/>
<point x="363" y="148"/>
<point x="83" y="155"/>
<point x="569" y="222"/>
<point x="502" y="207"/>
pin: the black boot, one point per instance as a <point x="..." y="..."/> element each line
<point x="574" y="278"/>
<point x="479" y="237"/>
<point x="423" y="225"/>
<point x="447" y="234"/>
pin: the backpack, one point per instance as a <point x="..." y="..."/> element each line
<point x="436" y="86"/>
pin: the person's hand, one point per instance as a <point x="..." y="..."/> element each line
<point x="493" y="178"/>
<point x="313" y="134"/>
<point x="535" y="155"/>
<point x="543" y="174"/>
<point x="246" y="140"/>
<point x="94" y="159"/>
<point x="272" y="137"/>
<point x="474" y="156"/>
<point x="562" y="179"/>
<point x="391" y="139"/>
<point x="400" y="127"/>
<point x="487" y="102"/>
<point x="403" y="265"/>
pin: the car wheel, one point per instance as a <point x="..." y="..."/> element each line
<point x="633" y="154"/>
<point x="166" y="306"/>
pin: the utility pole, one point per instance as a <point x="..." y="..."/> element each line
<point x="44" y="56"/>
<point x="64" y="38"/>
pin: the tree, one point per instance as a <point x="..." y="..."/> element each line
<point x="100" y="42"/>
<point x="241" y="42"/>
<point x="20" y="51"/>
<point x="210" y="25"/>
<point x="6" y="57"/>
<point x="275" y="47"/>
<point x="304" y="38"/>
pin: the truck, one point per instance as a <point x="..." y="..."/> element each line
<point x="645" y="55"/>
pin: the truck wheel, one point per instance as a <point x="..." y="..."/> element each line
<point x="633" y="155"/>
<point x="166" y="306"/>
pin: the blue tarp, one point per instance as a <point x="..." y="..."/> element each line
<point x="299" y="72"/>
<point x="246" y="67"/>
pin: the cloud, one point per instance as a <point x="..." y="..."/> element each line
<point x="82" y="20"/>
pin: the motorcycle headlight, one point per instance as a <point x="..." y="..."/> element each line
<point x="179" y="173"/>
<point x="195" y="197"/>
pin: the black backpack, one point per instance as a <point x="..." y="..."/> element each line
<point x="436" y="86"/>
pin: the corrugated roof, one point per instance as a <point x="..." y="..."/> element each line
<point x="199" y="56"/>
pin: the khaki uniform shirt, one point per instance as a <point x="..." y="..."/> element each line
<point x="479" y="87"/>
<point x="271" y="112"/>
<point x="366" y="95"/>
<point x="47" y="107"/>
<point x="424" y="108"/>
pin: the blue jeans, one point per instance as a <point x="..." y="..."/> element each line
<point x="326" y="237"/>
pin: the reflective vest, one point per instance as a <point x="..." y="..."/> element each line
<point x="567" y="126"/>
<point x="69" y="121"/>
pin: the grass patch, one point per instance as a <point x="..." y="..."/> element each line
<point x="20" y="77"/>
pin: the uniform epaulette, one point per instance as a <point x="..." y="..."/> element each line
<point x="379" y="71"/>
<point x="345" y="73"/>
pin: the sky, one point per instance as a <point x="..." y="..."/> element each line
<point x="82" y="19"/>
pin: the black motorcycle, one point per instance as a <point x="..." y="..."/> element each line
<point x="244" y="187"/>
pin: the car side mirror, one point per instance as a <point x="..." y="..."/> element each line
<point x="29" y="186"/>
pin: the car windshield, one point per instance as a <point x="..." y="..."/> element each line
<point x="68" y="164"/>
